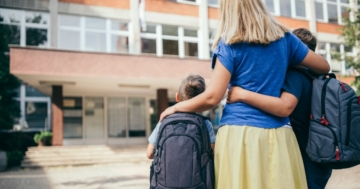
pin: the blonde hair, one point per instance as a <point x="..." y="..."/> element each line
<point x="191" y="86"/>
<point x="247" y="21"/>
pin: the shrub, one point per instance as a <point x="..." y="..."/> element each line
<point x="14" y="158"/>
<point x="44" y="137"/>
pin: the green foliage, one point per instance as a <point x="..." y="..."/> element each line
<point x="45" y="137"/>
<point x="14" y="158"/>
<point x="351" y="35"/>
<point x="9" y="108"/>
<point x="10" y="34"/>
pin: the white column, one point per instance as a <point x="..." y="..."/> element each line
<point x="159" y="42"/>
<point x="22" y="105"/>
<point x="181" y="42"/>
<point x="203" y="34"/>
<point x="22" y="30"/>
<point x="311" y="15"/>
<point x="343" y="66"/>
<point x="53" y="23"/>
<point x="135" y="27"/>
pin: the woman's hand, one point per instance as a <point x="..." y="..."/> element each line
<point x="170" y="110"/>
<point x="235" y="94"/>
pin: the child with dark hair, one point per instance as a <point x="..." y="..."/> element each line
<point x="295" y="101"/>
<point x="190" y="87"/>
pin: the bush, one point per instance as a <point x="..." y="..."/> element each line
<point x="14" y="158"/>
<point x="44" y="137"/>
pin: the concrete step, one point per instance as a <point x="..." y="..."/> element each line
<point x="83" y="152"/>
<point x="76" y="163"/>
<point x="87" y="158"/>
<point x="82" y="155"/>
<point x="83" y="148"/>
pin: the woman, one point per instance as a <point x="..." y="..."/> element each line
<point x="253" y="149"/>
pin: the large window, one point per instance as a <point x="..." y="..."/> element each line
<point x="288" y="8"/>
<point x="169" y="40"/>
<point x="34" y="109"/>
<point x="327" y="49"/>
<point x="332" y="11"/>
<point x="25" y="28"/>
<point x="93" y="34"/>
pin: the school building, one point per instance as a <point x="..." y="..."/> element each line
<point x="103" y="70"/>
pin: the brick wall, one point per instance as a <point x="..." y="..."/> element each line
<point x="328" y="28"/>
<point x="164" y="6"/>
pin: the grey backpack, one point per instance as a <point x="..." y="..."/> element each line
<point x="183" y="156"/>
<point x="334" y="135"/>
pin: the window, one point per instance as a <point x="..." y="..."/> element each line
<point x="213" y="2"/>
<point x="36" y="114"/>
<point x="300" y="8"/>
<point x="190" y="42"/>
<point x="288" y="8"/>
<point x="148" y="46"/>
<point x="270" y="5"/>
<point x="332" y="11"/>
<point x="169" y="40"/>
<point x="35" y="25"/>
<point x="285" y="8"/>
<point x="170" y="47"/>
<point x="93" y="34"/>
<point x="327" y="49"/>
<point x="148" y="40"/>
<point x="319" y="11"/>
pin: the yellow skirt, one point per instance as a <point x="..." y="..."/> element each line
<point x="255" y="158"/>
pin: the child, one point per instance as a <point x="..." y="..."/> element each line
<point x="190" y="87"/>
<point x="294" y="101"/>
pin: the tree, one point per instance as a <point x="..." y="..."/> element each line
<point x="351" y="35"/>
<point x="10" y="34"/>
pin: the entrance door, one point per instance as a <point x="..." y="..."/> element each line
<point x="94" y="118"/>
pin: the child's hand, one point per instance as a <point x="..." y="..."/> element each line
<point x="235" y="94"/>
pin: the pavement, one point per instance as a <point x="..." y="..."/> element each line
<point x="124" y="175"/>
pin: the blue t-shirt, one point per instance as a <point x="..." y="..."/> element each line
<point x="258" y="68"/>
<point x="153" y="136"/>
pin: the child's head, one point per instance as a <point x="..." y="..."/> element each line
<point x="306" y="37"/>
<point x="190" y="87"/>
<point x="247" y="21"/>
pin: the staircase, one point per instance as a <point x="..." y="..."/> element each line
<point x="37" y="157"/>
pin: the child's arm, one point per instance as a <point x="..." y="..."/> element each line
<point x="152" y="142"/>
<point x="150" y="151"/>
<point x="281" y="107"/>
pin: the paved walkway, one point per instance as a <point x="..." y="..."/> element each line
<point x="126" y="175"/>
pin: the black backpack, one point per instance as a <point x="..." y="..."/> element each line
<point x="334" y="131"/>
<point x="182" y="156"/>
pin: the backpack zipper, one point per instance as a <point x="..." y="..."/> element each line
<point x="349" y="120"/>
<point x="337" y="151"/>
<point x="323" y="95"/>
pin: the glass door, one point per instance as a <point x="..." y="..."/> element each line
<point x="116" y="117"/>
<point x="94" y="117"/>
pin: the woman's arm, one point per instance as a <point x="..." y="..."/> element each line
<point x="213" y="94"/>
<point x="316" y="63"/>
<point x="281" y="107"/>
